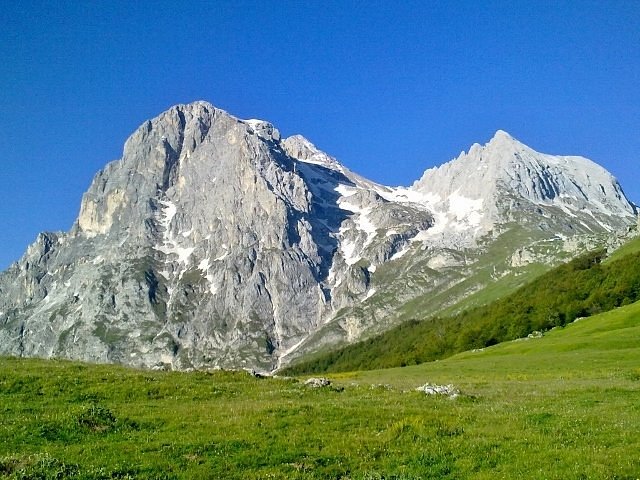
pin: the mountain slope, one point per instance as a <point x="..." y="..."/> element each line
<point x="583" y="287"/>
<point x="600" y="347"/>
<point x="214" y="242"/>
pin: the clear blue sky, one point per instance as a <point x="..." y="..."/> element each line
<point x="389" y="88"/>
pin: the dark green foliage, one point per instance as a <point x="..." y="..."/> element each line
<point x="583" y="287"/>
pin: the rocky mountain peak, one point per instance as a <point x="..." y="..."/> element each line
<point x="263" y="129"/>
<point x="505" y="137"/>
<point x="504" y="169"/>
<point x="302" y="149"/>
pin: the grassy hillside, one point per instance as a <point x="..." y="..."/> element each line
<point x="582" y="287"/>
<point x="603" y="347"/>
<point x="564" y="406"/>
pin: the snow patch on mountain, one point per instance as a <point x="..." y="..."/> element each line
<point x="455" y="213"/>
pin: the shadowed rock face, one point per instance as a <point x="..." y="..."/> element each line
<point x="213" y="242"/>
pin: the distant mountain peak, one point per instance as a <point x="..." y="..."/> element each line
<point x="502" y="142"/>
<point x="506" y="168"/>
<point x="502" y="135"/>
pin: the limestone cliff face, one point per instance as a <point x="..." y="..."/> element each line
<point x="214" y="242"/>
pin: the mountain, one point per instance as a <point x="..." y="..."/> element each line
<point x="213" y="242"/>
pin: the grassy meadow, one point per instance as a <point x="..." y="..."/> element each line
<point x="564" y="406"/>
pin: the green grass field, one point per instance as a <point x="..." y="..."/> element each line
<point x="564" y="406"/>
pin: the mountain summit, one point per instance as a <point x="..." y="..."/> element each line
<point x="502" y="179"/>
<point x="213" y="242"/>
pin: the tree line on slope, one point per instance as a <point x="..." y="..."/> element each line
<point x="582" y="287"/>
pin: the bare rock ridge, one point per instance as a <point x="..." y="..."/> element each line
<point x="507" y="170"/>
<point x="213" y="242"/>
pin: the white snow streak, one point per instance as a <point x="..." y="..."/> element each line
<point x="348" y="249"/>
<point x="204" y="265"/>
<point x="169" y="244"/>
<point x="400" y="253"/>
<point x="346" y="190"/>
<point x="168" y="212"/>
<point x="288" y="351"/>
<point x="351" y="250"/>
<point x="465" y="210"/>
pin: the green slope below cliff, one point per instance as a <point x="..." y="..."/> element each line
<point x="582" y="287"/>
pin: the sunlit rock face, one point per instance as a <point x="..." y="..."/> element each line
<point x="499" y="181"/>
<point x="213" y="242"/>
